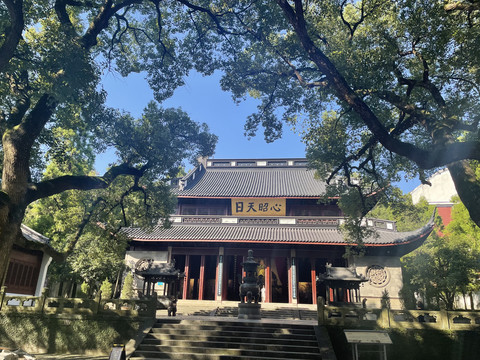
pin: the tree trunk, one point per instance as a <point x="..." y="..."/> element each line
<point x="468" y="187"/>
<point x="14" y="188"/>
<point x="449" y="300"/>
<point x="17" y="142"/>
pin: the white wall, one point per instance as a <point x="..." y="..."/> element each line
<point x="440" y="192"/>
<point x="42" y="276"/>
<point x="386" y="275"/>
<point x="132" y="257"/>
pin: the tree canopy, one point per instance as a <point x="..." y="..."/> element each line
<point x="447" y="265"/>
<point x="381" y="89"/>
<point x="400" y="208"/>
<point x="52" y="55"/>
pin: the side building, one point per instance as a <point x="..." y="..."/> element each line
<point x="439" y="193"/>
<point x="274" y="207"/>
<point x="28" y="264"/>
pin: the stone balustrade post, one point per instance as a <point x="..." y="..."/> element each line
<point x="152" y="305"/>
<point x="385" y="318"/>
<point x="321" y="310"/>
<point x="40" y="305"/>
<point x="444" y="319"/>
<point x="3" y="291"/>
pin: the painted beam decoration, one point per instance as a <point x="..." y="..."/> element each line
<point x="258" y="207"/>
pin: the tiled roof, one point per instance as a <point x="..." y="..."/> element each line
<point x="32" y="235"/>
<point x="254" y="182"/>
<point x="268" y="234"/>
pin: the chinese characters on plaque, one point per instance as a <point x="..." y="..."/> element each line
<point x="258" y="207"/>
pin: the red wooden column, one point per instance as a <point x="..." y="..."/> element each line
<point x="289" y="267"/>
<point x="202" y="277"/>
<point x="314" y="281"/>
<point x="185" y="279"/>
<point x="268" y="276"/>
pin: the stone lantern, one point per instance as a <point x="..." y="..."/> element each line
<point x="249" y="290"/>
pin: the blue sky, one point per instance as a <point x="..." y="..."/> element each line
<point x="204" y="101"/>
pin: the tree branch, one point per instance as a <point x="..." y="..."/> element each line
<point x="468" y="187"/>
<point x="463" y="6"/>
<point x="14" y="32"/>
<point x="354" y="157"/>
<point x="61" y="11"/>
<point x="100" y="22"/>
<point x="19" y="110"/>
<point x="214" y="17"/>
<point x="364" y="13"/>
<point x="82" y="226"/>
<point x="83" y="182"/>
<point x="34" y="123"/>
<point x="436" y="156"/>
<point x="295" y="71"/>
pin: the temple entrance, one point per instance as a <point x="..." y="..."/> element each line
<point x="200" y="273"/>
<point x="210" y="271"/>
<point x="320" y="269"/>
<point x="193" y="277"/>
<point x="304" y="281"/>
<point x="233" y="276"/>
<point x="261" y="274"/>
<point x="279" y="279"/>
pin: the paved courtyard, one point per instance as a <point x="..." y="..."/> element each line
<point x="70" y="357"/>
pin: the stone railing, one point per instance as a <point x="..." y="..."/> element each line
<point x="399" y="319"/>
<point x="76" y="306"/>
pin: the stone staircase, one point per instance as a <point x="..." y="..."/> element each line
<point x="186" y="339"/>
<point x="230" y="309"/>
<point x="282" y="313"/>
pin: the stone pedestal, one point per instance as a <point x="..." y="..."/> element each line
<point x="249" y="311"/>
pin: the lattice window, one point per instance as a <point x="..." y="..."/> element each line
<point x="22" y="274"/>
<point x="378" y="276"/>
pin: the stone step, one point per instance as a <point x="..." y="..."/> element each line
<point x="230" y="309"/>
<point x="226" y="326"/>
<point x="203" y="357"/>
<point x="226" y="323"/>
<point x="219" y="346"/>
<point x="225" y="353"/>
<point x="292" y="314"/>
<point x="166" y="339"/>
<point x="308" y="315"/>
<point x="234" y="332"/>
<point x="183" y="356"/>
